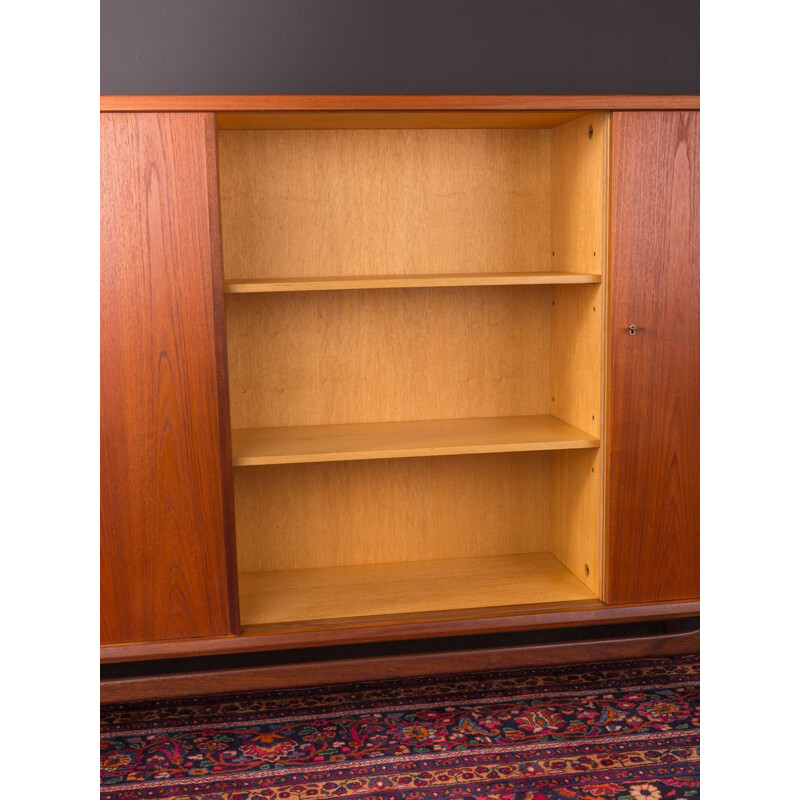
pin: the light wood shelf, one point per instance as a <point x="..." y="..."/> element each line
<point x="355" y="442"/>
<point x="261" y="285"/>
<point x="418" y="586"/>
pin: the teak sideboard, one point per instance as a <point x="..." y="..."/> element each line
<point x="381" y="369"/>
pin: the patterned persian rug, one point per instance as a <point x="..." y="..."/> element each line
<point x="593" y="732"/>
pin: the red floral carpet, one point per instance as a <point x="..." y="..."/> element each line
<point x="593" y="732"/>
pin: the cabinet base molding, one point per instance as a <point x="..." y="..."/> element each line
<point x="398" y="629"/>
<point x="387" y="667"/>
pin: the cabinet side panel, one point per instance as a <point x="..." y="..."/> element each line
<point x="578" y="193"/>
<point x="575" y="513"/>
<point x="576" y="385"/>
<point x="579" y="178"/>
<point x="653" y="389"/>
<point x="164" y="560"/>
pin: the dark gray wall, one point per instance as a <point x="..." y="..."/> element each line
<point x="400" y="46"/>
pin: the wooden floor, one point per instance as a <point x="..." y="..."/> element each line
<point x="313" y="443"/>
<point x="380" y="589"/>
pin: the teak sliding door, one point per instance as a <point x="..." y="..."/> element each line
<point x="653" y="391"/>
<point x="167" y="560"/>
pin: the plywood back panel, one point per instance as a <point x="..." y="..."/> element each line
<point x="579" y="180"/>
<point x="371" y="512"/>
<point x="391" y="355"/>
<point x="304" y="203"/>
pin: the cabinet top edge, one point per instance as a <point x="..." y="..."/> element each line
<point x="341" y="102"/>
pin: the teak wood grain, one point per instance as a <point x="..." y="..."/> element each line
<point x="167" y="559"/>
<point x="389" y="102"/>
<point x="653" y="399"/>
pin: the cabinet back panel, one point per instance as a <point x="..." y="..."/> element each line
<point x="370" y="512"/>
<point x="303" y="203"/>
<point x="389" y="355"/>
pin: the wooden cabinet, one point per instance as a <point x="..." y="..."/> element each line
<point x="395" y="340"/>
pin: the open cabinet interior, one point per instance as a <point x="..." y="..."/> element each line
<point x="414" y="312"/>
